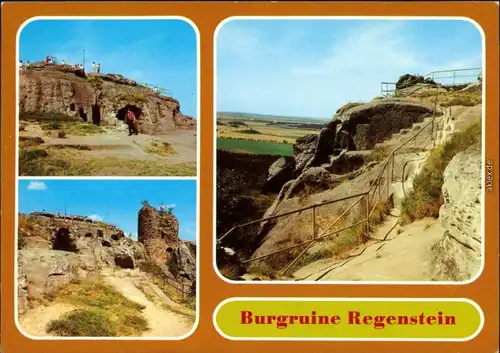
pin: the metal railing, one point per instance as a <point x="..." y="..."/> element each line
<point x="387" y="88"/>
<point x="442" y="77"/>
<point x="166" y="281"/>
<point x="367" y="202"/>
<point x="157" y="89"/>
<point x="455" y="77"/>
<point x="163" y="280"/>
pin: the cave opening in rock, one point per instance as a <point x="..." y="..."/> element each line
<point x="72" y="107"/>
<point x="82" y="113"/>
<point x="124" y="261"/>
<point x="63" y="241"/>
<point x="121" y="114"/>
<point x="106" y="243"/>
<point x="170" y="249"/>
<point x="96" y="114"/>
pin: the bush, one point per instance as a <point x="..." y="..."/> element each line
<point x="426" y="198"/>
<point x="103" y="311"/>
<point x="83" y="323"/>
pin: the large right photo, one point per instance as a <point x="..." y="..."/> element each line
<point x="349" y="149"/>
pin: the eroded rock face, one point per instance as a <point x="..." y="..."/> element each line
<point x="98" y="98"/>
<point x="409" y="80"/>
<point x="368" y="124"/>
<point x="182" y="262"/>
<point x="313" y="180"/>
<point x="458" y="254"/>
<point x="59" y="249"/>
<point x="279" y="173"/>
<point x="355" y="127"/>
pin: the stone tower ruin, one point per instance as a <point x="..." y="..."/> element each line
<point x="158" y="231"/>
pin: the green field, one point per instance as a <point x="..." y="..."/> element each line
<point x="256" y="147"/>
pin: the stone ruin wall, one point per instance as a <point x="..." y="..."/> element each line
<point x="158" y="232"/>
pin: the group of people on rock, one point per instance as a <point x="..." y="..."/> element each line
<point x="50" y="60"/>
<point x="23" y="66"/>
<point x="96" y="67"/>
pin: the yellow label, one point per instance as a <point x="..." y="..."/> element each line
<point x="349" y="319"/>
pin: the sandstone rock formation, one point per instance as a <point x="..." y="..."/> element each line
<point x="100" y="98"/>
<point x="355" y="127"/>
<point x="409" y="80"/>
<point x="54" y="250"/>
<point x="458" y="254"/>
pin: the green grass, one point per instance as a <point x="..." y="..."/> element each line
<point x="427" y="198"/>
<point x="49" y="117"/>
<point x="160" y="148"/>
<point x="101" y="311"/>
<point x="83" y="323"/>
<point x="255" y="147"/>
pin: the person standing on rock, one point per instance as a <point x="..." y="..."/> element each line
<point x="162" y="207"/>
<point x="132" y="123"/>
<point x="98" y="67"/>
<point x="21" y="65"/>
<point x="63" y="62"/>
<point x="93" y="67"/>
<point x="58" y="213"/>
<point x="28" y="65"/>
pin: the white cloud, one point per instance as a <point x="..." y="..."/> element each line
<point x="294" y="79"/>
<point x="37" y="185"/>
<point x="95" y="217"/>
<point x="172" y="205"/>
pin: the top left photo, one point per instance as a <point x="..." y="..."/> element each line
<point x="108" y="97"/>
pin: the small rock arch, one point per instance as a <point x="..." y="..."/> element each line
<point x="63" y="241"/>
<point x="96" y="114"/>
<point x="121" y="114"/>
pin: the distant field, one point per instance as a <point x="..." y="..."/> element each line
<point x="258" y="130"/>
<point x="268" y="118"/>
<point x="256" y="147"/>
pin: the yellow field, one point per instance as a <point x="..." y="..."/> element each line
<point x="266" y="132"/>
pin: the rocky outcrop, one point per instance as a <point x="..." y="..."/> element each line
<point x="99" y="98"/>
<point x="182" y="263"/>
<point x="355" y="127"/>
<point x="409" y="80"/>
<point x="458" y="255"/>
<point x="54" y="250"/>
<point x="313" y="180"/>
<point x="368" y="124"/>
<point x="279" y="173"/>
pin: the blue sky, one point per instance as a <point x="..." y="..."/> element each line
<point x="157" y="52"/>
<point x="310" y="68"/>
<point x="115" y="202"/>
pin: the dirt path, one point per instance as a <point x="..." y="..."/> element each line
<point x="405" y="255"/>
<point x="165" y="317"/>
<point x="398" y="253"/>
<point x="115" y="143"/>
<point x="35" y="321"/>
<point x="162" y="321"/>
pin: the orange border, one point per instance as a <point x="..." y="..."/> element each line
<point x="206" y="16"/>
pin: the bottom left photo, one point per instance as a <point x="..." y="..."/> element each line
<point x="107" y="258"/>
